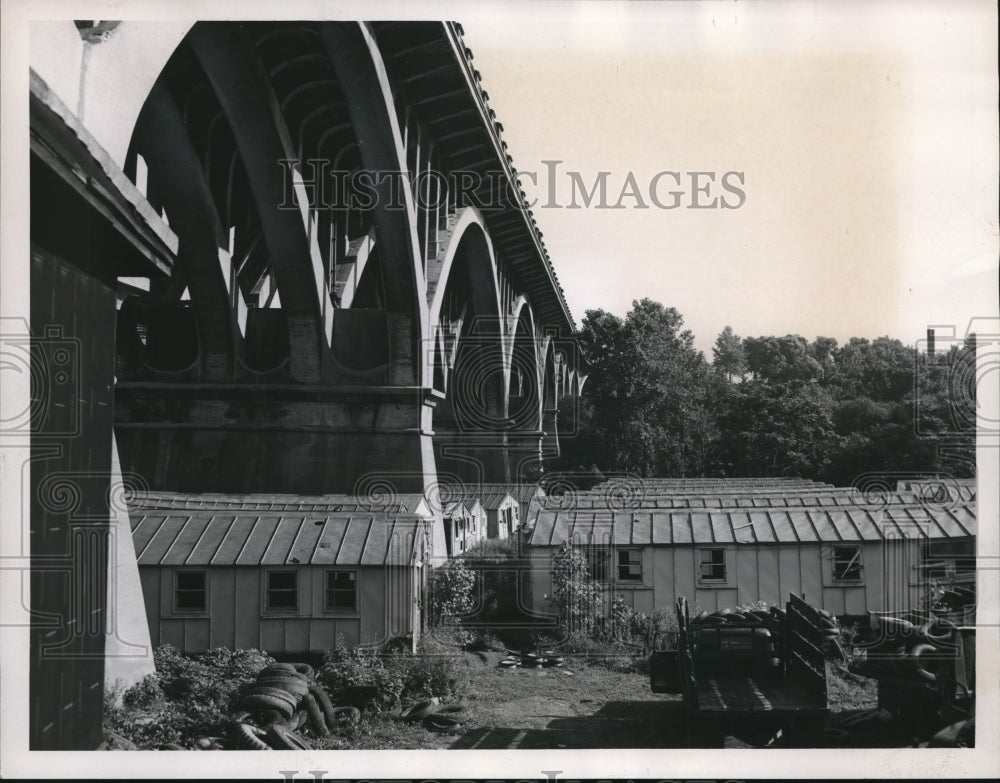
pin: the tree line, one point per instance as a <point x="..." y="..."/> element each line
<point x="653" y="405"/>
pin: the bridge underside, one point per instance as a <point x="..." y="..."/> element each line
<point x="315" y="333"/>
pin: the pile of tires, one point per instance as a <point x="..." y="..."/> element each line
<point x="900" y="648"/>
<point x="752" y="617"/>
<point x="435" y="716"/>
<point x="284" y="701"/>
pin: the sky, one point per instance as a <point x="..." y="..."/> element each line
<point x="866" y="134"/>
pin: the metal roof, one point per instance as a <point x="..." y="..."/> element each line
<point x="408" y="503"/>
<point x="830" y="498"/>
<point x="494" y="492"/>
<point x="208" y="537"/>
<point x="554" y="527"/>
<point x="490" y="499"/>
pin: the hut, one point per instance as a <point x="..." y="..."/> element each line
<point x="846" y="559"/>
<point x="294" y="578"/>
<point x="464" y="525"/>
<point x="506" y="506"/>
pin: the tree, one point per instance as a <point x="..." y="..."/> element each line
<point x="575" y="596"/>
<point x="882" y="369"/>
<point x="775" y="430"/>
<point x="728" y="356"/>
<point x="781" y="359"/>
<point x="648" y="392"/>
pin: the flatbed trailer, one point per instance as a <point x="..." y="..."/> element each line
<point x="752" y="677"/>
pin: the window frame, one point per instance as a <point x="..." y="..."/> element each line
<point x="204" y="591"/>
<point x="268" y="608"/>
<point x="327" y="589"/>
<point x="628" y="580"/>
<point x="855" y="560"/>
<point x="712" y="581"/>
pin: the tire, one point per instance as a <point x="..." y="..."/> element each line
<point x="927" y="651"/>
<point x="298" y="720"/>
<point x="509" y="664"/>
<point x="835" y="736"/>
<point x="259" y="702"/>
<point x="315" y="714"/>
<point x="269" y="718"/>
<point x="243" y="737"/>
<point x="286" y="668"/>
<point x="281" y="738"/>
<point x="305" y="669"/>
<point x="323" y="700"/>
<point x="277" y="693"/>
<point x="420" y="710"/>
<point x="296" y="687"/>
<point x="442" y="723"/>
<point x="939" y="632"/>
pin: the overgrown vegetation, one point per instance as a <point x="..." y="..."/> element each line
<point x="766" y="406"/>
<point x="186" y="698"/>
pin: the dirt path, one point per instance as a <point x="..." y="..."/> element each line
<point x="585" y="707"/>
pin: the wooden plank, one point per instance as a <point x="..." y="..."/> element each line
<point x="247" y="606"/>
<point x="768" y="584"/>
<point x="811" y="569"/>
<point x="789" y="574"/>
<point x="221" y="595"/>
<point x="747" y="569"/>
<point x="197" y="634"/>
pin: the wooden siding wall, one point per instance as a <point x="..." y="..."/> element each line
<point x="237" y="619"/>
<point x="890" y="578"/>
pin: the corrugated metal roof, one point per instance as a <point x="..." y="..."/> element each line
<point x="554" y="527"/>
<point x="522" y="493"/>
<point x="207" y="537"/>
<point x="489" y="500"/>
<point x="406" y="503"/>
<point x="830" y="498"/>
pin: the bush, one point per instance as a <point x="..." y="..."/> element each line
<point x="398" y="677"/>
<point x="188" y="696"/>
<point x="491" y="551"/>
<point x="452" y="592"/>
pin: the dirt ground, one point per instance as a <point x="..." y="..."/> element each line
<point x="577" y="706"/>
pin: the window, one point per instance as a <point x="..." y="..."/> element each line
<point x="341" y="591"/>
<point x="846" y="563"/>
<point x="948" y="559"/>
<point x="630" y="565"/>
<point x="712" y="565"/>
<point x="189" y="591"/>
<point x="282" y="590"/>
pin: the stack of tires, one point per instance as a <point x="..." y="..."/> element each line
<point x="900" y="648"/>
<point x="283" y="702"/>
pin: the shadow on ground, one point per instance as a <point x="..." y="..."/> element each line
<point x="618" y="724"/>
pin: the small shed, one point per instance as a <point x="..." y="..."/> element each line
<point x="464" y="525"/>
<point x="503" y="512"/>
<point x="526" y="495"/>
<point x="847" y="560"/>
<point x="286" y="580"/>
